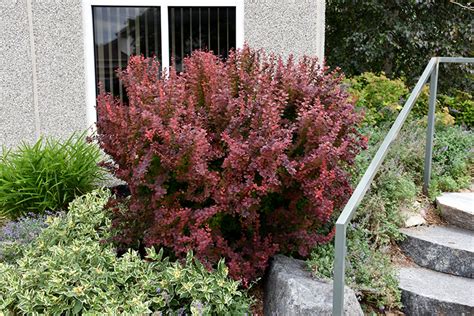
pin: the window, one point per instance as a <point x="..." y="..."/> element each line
<point x="166" y="29"/>
<point x="200" y="28"/>
<point x="120" y="32"/>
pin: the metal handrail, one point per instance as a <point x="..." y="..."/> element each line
<point x="431" y="70"/>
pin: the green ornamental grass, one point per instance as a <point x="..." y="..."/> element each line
<point x="47" y="175"/>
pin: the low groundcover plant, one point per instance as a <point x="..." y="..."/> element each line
<point x="14" y="235"/>
<point x="68" y="270"/>
<point x="237" y="159"/>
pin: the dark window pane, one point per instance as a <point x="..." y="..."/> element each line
<point x="214" y="30"/>
<point x="120" y="32"/>
<point x="208" y="28"/>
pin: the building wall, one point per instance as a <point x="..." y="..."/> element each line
<point x="286" y="26"/>
<point x="57" y="27"/>
<point x="17" y="113"/>
<point x="42" y="64"/>
<point x="42" y="82"/>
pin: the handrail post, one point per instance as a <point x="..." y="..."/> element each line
<point x="339" y="270"/>
<point x="430" y="129"/>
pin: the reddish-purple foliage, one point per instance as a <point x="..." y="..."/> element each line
<point x="237" y="159"/>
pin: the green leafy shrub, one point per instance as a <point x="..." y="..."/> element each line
<point x="380" y="97"/>
<point x="67" y="270"/>
<point x="457" y="108"/>
<point x="47" y="175"/>
<point x="419" y="111"/>
<point x="461" y="106"/>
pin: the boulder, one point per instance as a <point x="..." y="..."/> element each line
<point x="291" y="290"/>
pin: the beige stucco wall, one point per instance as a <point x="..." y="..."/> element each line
<point x="17" y="113"/>
<point x="42" y="82"/>
<point x="286" y="26"/>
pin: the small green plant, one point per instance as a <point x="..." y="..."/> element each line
<point x="47" y="175"/>
<point x="396" y="185"/>
<point x="15" y="234"/>
<point x="453" y="160"/>
<point x="368" y="271"/>
<point x="68" y="270"/>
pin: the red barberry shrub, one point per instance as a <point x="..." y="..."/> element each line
<point x="238" y="159"/>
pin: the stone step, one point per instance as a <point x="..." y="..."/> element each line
<point x="457" y="208"/>
<point x="427" y="292"/>
<point x="446" y="249"/>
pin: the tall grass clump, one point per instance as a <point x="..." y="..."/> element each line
<point x="47" y="175"/>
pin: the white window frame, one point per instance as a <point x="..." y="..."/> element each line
<point x="91" y="95"/>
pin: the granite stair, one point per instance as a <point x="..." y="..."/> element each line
<point x="457" y="209"/>
<point x="427" y="292"/>
<point x="442" y="281"/>
<point x="441" y="248"/>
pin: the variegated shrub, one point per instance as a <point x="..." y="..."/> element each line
<point x="68" y="271"/>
